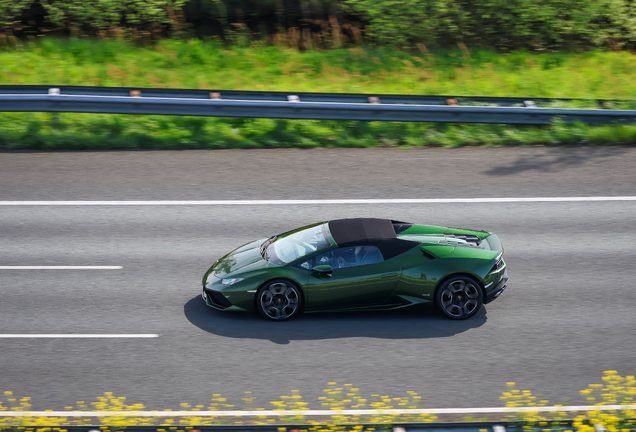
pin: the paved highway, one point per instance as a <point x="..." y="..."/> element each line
<point x="567" y="316"/>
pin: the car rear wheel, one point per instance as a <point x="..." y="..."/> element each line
<point x="279" y="300"/>
<point x="460" y="297"/>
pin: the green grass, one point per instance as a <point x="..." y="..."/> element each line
<point x="194" y="64"/>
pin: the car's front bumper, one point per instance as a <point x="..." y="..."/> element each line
<point x="218" y="301"/>
<point x="498" y="289"/>
<point x="227" y="301"/>
<point x="215" y="299"/>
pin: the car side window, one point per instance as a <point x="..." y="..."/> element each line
<point x="305" y="265"/>
<point x="350" y="257"/>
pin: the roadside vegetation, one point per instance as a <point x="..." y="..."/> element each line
<point x="566" y="48"/>
<point x="614" y="390"/>
<point x="375" y="70"/>
<point x="208" y="65"/>
<point x="320" y="24"/>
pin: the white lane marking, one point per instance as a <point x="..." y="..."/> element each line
<point x="272" y="413"/>
<point x="72" y="336"/>
<point x="61" y="267"/>
<point x="319" y="201"/>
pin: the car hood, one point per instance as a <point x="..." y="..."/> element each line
<point x="246" y="258"/>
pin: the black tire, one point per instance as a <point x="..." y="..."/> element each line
<point x="279" y="300"/>
<point x="459" y="297"/>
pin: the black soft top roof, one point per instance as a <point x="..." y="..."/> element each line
<point x="350" y="230"/>
<point x="369" y="231"/>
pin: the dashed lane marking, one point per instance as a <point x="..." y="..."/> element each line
<point x="61" y="267"/>
<point x="74" y="336"/>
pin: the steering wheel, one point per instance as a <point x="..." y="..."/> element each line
<point x="327" y="258"/>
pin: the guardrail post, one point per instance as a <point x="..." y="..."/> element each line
<point x="55" y="117"/>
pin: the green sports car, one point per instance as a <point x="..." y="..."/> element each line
<point x="359" y="264"/>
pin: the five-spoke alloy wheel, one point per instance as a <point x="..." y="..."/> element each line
<point x="279" y="300"/>
<point x="459" y="297"/>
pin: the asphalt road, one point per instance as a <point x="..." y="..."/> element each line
<point x="567" y="315"/>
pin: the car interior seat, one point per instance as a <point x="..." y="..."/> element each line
<point x="372" y="257"/>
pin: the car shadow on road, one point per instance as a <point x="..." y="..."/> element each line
<point x="416" y="322"/>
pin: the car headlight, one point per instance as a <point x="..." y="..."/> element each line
<point x="231" y="281"/>
<point x="499" y="264"/>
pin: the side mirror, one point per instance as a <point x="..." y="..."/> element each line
<point x="323" y="270"/>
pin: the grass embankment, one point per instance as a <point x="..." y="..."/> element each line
<point x="614" y="390"/>
<point x="193" y="64"/>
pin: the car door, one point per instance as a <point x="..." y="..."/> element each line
<point x="360" y="277"/>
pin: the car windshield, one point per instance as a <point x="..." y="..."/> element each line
<point x="296" y="244"/>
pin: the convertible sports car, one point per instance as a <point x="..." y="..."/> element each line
<point x="359" y="264"/>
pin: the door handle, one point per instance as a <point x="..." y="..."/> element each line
<point x="388" y="275"/>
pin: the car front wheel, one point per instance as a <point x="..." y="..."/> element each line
<point x="460" y="297"/>
<point x="279" y="300"/>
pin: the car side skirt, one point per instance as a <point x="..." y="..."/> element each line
<point x="397" y="302"/>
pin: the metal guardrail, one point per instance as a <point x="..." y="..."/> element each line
<point x="310" y="106"/>
<point x="246" y="95"/>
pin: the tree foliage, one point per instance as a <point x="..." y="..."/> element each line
<point x="11" y="10"/>
<point x="94" y="16"/>
<point x="504" y="23"/>
<point x="107" y="14"/>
